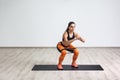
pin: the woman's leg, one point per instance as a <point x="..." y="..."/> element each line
<point x="61" y="58"/>
<point x="75" y="56"/>
<point x="62" y="50"/>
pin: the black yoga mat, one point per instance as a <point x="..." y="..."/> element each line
<point x="66" y="67"/>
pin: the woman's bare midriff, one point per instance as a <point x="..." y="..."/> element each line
<point x="65" y="44"/>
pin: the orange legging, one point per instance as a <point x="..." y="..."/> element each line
<point x="62" y="49"/>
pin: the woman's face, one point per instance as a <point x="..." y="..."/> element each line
<point x="72" y="27"/>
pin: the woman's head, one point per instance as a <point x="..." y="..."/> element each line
<point x="71" y="26"/>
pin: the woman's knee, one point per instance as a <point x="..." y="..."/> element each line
<point x="63" y="52"/>
<point x="76" y="51"/>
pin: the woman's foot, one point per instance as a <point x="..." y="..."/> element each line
<point x="59" y="67"/>
<point x="74" y="65"/>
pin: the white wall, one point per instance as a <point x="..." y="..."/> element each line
<point x="41" y="23"/>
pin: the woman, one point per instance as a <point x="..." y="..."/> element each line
<point x="65" y="45"/>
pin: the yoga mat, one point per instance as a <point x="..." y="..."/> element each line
<point x="66" y="67"/>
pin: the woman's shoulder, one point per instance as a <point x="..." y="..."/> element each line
<point x="65" y="33"/>
<point x="75" y="33"/>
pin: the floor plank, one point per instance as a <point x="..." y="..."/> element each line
<point x="16" y="64"/>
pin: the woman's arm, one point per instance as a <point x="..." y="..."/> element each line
<point x="79" y="38"/>
<point x="65" y="35"/>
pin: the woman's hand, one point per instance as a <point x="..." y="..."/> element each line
<point x="81" y="39"/>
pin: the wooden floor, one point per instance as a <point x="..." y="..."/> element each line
<point x="16" y="64"/>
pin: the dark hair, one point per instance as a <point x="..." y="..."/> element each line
<point x="71" y="22"/>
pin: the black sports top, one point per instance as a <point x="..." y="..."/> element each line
<point x="69" y="38"/>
